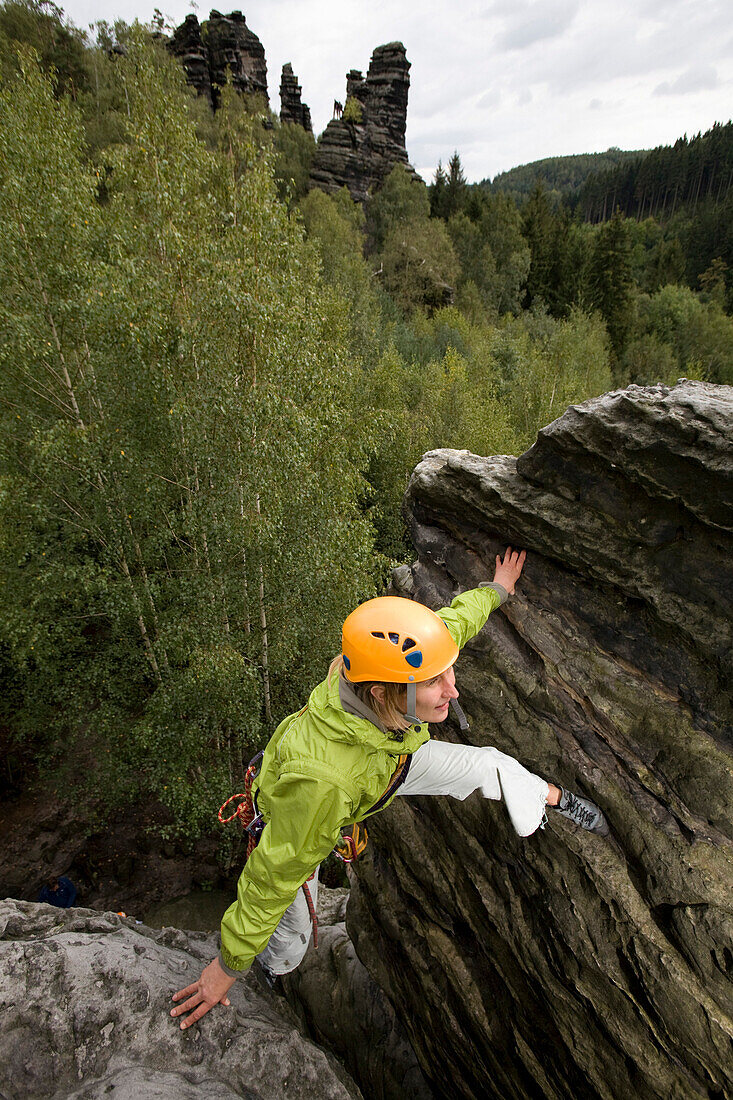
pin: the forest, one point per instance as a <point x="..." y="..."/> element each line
<point x="561" y="177"/>
<point x="217" y="382"/>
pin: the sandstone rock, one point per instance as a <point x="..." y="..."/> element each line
<point x="345" y="1011"/>
<point x="566" y="964"/>
<point x="359" y="155"/>
<point x="84" y="1013"/>
<point x="291" y="107"/>
<point x="223" y="45"/>
<point x="187" y="45"/>
<point x="125" y="867"/>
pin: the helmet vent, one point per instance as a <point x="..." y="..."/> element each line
<point x="409" y="643"/>
<point x="394" y="638"/>
<point x="377" y="634"/>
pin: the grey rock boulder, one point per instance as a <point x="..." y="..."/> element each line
<point x="84" y="1012"/>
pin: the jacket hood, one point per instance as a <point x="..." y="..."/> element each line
<point x="352" y="721"/>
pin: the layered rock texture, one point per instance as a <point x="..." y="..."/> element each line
<point x="345" y="1011"/>
<point x="84" y="1014"/>
<point x="568" y="964"/>
<point x="292" y="109"/>
<point x="221" y="47"/>
<point x="358" y="152"/>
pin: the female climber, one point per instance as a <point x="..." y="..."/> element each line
<point x="362" y="739"/>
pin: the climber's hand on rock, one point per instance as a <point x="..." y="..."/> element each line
<point x="509" y="570"/>
<point x="211" y="989"/>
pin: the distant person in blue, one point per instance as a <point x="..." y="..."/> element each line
<point x="60" y="892"/>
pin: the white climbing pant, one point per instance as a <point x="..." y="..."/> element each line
<point x="289" y="942"/>
<point x="438" y="767"/>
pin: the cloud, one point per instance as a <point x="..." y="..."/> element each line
<point x="490" y="99"/>
<point x="538" y="23"/>
<point x="595" y="105"/>
<point x="702" y="79"/>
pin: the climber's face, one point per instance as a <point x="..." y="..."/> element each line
<point x="434" y="696"/>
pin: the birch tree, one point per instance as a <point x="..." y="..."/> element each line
<point x="179" y="530"/>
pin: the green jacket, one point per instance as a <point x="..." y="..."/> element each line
<point x="323" y="768"/>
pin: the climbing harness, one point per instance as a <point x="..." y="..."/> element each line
<point x="253" y="824"/>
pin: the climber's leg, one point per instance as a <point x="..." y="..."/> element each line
<point x="439" y="767"/>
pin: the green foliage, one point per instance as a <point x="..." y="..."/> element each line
<point x="610" y="281"/>
<point x="295" y="149"/>
<point x="687" y="189"/>
<point x="173" y="371"/>
<point x="493" y="254"/>
<point x="40" y="26"/>
<point x="449" y="191"/>
<point x="544" y="365"/>
<point x="420" y="267"/>
<point x="487" y="388"/>
<point x="657" y="258"/>
<point x="335" y="226"/>
<point x="336" y="222"/>
<point x="561" y="177"/>
<point x="546" y="232"/>
<point x="660" y="181"/>
<point x="697" y="335"/>
<point x="213" y="403"/>
<point x="648" y="359"/>
<point x="353" y="111"/>
<point x="399" y="200"/>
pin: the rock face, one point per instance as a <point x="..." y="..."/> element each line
<point x="359" y="154"/>
<point x="84" y="1014"/>
<point x="568" y="964"/>
<point x="222" y="45"/>
<point x="125" y="867"/>
<point x="291" y="107"/>
<point x="344" y="1010"/>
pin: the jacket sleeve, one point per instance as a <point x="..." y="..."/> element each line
<point x="469" y="611"/>
<point x="306" y="816"/>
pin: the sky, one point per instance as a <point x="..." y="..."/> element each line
<point x="503" y="82"/>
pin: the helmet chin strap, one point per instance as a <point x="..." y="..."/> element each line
<point x="410" y="715"/>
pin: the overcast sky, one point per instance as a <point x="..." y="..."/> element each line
<point x="504" y="82"/>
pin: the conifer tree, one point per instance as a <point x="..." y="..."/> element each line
<point x="610" y="282"/>
<point x="456" y="187"/>
<point x="438" y="188"/>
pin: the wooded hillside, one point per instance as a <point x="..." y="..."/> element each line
<point x="217" y="383"/>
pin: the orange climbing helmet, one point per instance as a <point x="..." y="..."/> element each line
<point x="396" y="641"/>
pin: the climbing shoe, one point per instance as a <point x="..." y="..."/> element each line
<point x="583" y="812"/>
